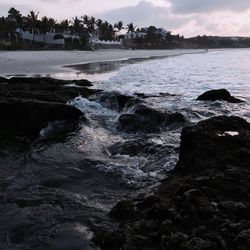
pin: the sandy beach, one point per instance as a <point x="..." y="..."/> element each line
<point x="50" y="62"/>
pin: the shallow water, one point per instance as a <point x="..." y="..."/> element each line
<point x="54" y="190"/>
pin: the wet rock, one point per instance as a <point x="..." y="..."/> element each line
<point x="233" y="173"/>
<point x="234" y="208"/>
<point x="242" y="241"/>
<point x="28" y="118"/>
<point x="110" y="241"/>
<point x="3" y="80"/>
<point x="200" y="244"/>
<point x="198" y="150"/>
<point x="45" y="89"/>
<point x="218" y="94"/>
<point x="204" y="203"/>
<point x="123" y="210"/>
<point x="148" y="120"/>
<point x="82" y="83"/>
<point x="137" y="147"/>
<point x="147" y="202"/>
<point x="174" y="241"/>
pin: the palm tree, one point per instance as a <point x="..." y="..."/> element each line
<point x="3" y="27"/>
<point x="85" y="20"/>
<point x="77" y="25"/>
<point x="33" y="17"/>
<point x="92" y="24"/>
<point x="64" y="25"/>
<point x="119" y="25"/>
<point x="131" y="27"/>
<point x="99" y="23"/>
<point x="52" y="23"/>
<point x="14" y="20"/>
<point x="45" y="26"/>
<point x="107" y="31"/>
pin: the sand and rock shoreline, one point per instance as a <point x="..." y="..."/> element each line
<point x="51" y="62"/>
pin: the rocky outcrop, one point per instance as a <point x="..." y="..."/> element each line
<point x="3" y="80"/>
<point x="47" y="81"/>
<point x="148" y="120"/>
<point x="218" y="94"/>
<point x="29" y="105"/>
<point x="203" y="204"/>
<point x="45" y="89"/>
<point x="28" y="118"/>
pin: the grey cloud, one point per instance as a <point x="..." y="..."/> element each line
<point x="144" y="14"/>
<point x="196" y="6"/>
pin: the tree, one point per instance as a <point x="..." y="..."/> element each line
<point x="76" y="25"/>
<point x="64" y="25"/>
<point x="3" y="28"/>
<point x="52" y="23"/>
<point x="85" y="20"/>
<point x="44" y="28"/>
<point x="92" y="24"/>
<point x="107" y="31"/>
<point x="14" y="21"/>
<point x="131" y="27"/>
<point x="151" y="36"/>
<point x="33" y="17"/>
<point x="119" y="25"/>
<point x="99" y="23"/>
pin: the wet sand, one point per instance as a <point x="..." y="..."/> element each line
<point x="52" y="62"/>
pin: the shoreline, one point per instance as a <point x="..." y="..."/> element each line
<point x="53" y="62"/>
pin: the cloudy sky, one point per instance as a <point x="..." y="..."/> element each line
<point x="187" y="17"/>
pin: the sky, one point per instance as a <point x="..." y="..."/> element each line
<point x="185" y="17"/>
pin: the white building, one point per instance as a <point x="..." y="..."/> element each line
<point x="48" y="38"/>
<point x="135" y="34"/>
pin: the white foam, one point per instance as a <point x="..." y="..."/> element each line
<point x="91" y="108"/>
<point x="231" y="133"/>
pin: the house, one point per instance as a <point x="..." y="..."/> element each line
<point x="135" y="34"/>
<point x="162" y="32"/>
<point x="143" y="33"/>
<point x="48" y="38"/>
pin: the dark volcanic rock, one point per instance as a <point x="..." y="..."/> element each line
<point x="3" y="80"/>
<point x="218" y="94"/>
<point x="31" y="104"/>
<point x="27" y="118"/>
<point x="209" y="144"/>
<point x="148" y="120"/>
<point x="123" y="210"/>
<point x="45" y="89"/>
<point x="48" y="80"/>
<point x="205" y="201"/>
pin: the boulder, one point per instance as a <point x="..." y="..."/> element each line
<point x="123" y="210"/>
<point x="242" y="241"/>
<point x="35" y="80"/>
<point x="204" y="203"/>
<point x="148" y="120"/>
<point x="218" y="94"/>
<point x="3" y="80"/>
<point x="28" y="118"/>
<point x="45" y="89"/>
<point x="210" y="145"/>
